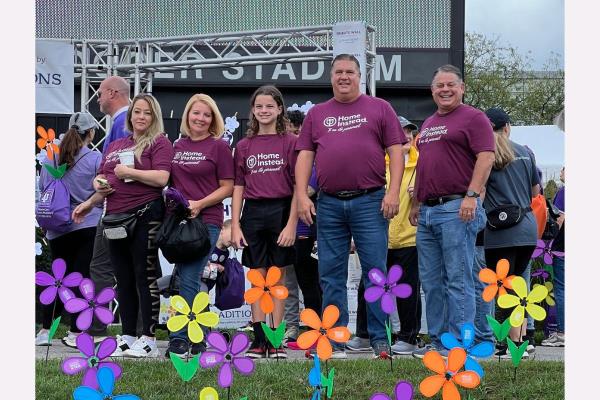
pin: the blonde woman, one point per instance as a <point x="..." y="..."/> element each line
<point x="136" y="188"/>
<point x="202" y="170"/>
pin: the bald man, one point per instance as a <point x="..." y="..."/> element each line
<point x="113" y="98"/>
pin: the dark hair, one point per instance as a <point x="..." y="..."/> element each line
<point x="448" y="68"/>
<point x="347" y="57"/>
<point x="296" y="118"/>
<point x="70" y="145"/>
<point x="267" y="90"/>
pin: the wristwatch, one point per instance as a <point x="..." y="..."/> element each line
<point x="471" y="193"/>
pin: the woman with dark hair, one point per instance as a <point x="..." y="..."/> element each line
<point x="75" y="243"/>
<point x="513" y="181"/>
<point x="133" y="172"/>
<point x="264" y="164"/>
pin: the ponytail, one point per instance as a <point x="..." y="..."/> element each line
<point x="504" y="153"/>
<point x="70" y="145"/>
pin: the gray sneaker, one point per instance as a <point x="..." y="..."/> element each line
<point x="555" y="340"/>
<point x="291" y="334"/>
<point x="379" y="348"/>
<point x="339" y="354"/>
<point x="403" y="348"/>
<point x="420" y="353"/>
<point x="359" y="344"/>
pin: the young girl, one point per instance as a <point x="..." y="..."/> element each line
<point x="264" y="178"/>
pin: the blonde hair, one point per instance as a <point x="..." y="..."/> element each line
<point x="156" y="127"/>
<point x="217" y="126"/>
<point x="504" y="153"/>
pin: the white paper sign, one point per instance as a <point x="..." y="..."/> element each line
<point x="54" y="81"/>
<point x="351" y="38"/>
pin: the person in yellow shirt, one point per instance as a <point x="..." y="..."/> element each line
<point x="402" y="250"/>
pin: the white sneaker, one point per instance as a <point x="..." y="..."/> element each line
<point x="404" y="348"/>
<point x="142" y="348"/>
<point x="555" y="340"/>
<point x="123" y="343"/>
<point x="41" y="339"/>
<point x="508" y="356"/>
<point x="338" y="355"/>
<point x="70" y="339"/>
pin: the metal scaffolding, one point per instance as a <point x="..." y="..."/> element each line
<point x="138" y="60"/>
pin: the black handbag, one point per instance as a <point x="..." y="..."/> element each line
<point x="183" y="240"/>
<point x="551" y="230"/>
<point x="505" y="216"/>
<point x="121" y="225"/>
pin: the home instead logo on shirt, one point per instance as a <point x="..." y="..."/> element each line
<point x="264" y="162"/>
<point x="188" y="157"/>
<point x="344" y="122"/>
<point x="432" y="134"/>
<point x="113" y="156"/>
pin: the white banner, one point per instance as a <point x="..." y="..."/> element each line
<point x="351" y="38"/>
<point x="54" y="81"/>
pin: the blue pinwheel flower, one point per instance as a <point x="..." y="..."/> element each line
<point x="481" y="350"/>
<point x="106" y="380"/>
<point x="314" y="378"/>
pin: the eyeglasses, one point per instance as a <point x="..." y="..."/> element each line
<point x="450" y="85"/>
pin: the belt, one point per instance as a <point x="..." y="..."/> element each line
<point x="351" y="194"/>
<point x="436" y="201"/>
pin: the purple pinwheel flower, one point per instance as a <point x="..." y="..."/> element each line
<point x="545" y="248"/>
<point x="92" y="359"/>
<point x="91" y="305"/>
<point x="59" y="283"/>
<point x="541" y="272"/>
<point x="387" y="288"/>
<point x="228" y="354"/>
<point x="402" y="391"/>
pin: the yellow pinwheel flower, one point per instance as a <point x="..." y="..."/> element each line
<point x="192" y="318"/>
<point x="550" y="298"/>
<point x="522" y="301"/>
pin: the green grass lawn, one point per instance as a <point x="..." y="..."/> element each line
<point x="354" y="379"/>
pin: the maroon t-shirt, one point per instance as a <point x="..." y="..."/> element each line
<point x="264" y="165"/>
<point x="128" y="195"/>
<point x="448" y="146"/>
<point x="350" y="141"/>
<point x="196" y="169"/>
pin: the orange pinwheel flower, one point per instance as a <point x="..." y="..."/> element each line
<point x="263" y="289"/>
<point x="447" y="374"/>
<point x="46" y="141"/>
<point x="498" y="280"/>
<point x="322" y="332"/>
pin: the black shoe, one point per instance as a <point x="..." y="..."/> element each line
<point x="198" y="348"/>
<point x="179" y="347"/>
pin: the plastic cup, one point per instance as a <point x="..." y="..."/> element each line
<point x="127" y="158"/>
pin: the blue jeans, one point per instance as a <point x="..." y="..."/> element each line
<point x="446" y="247"/>
<point x="339" y="221"/>
<point x="558" y="265"/>
<point x="190" y="278"/>
<point x="527" y="276"/>
<point x="483" y="332"/>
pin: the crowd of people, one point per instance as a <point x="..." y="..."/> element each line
<point x="442" y="201"/>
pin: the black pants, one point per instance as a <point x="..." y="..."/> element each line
<point x="76" y="249"/>
<point x="307" y="274"/>
<point x="136" y="267"/>
<point x="518" y="257"/>
<point x="409" y="309"/>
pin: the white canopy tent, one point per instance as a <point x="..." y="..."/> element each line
<point x="548" y="144"/>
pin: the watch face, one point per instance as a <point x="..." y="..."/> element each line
<point x="471" y="193"/>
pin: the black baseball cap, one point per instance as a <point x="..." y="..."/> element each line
<point x="498" y="117"/>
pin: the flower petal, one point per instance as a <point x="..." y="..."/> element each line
<point x="106" y="347"/>
<point x="253" y="294"/>
<point x="379" y="396"/>
<point x="106" y="380"/>
<point x="467" y="379"/>
<point x="225" y="378"/>
<point x="87" y="288"/>
<point x="217" y="341"/>
<point x="324" y="350"/>
<point x="434" y="361"/>
<point x="195" y="332"/>
<point x="307" y="339"/>
<point x="310" y="318"/>
<point x="256" y="278"/>
<point x="208" y="318"/>
<point x="340" y="334"/>
<point x="84" y="320"/>
<point x="210" y="393"/>
<point x="508" y="301"/>
<point x="394" y="274"/>
<point x="467" y="332"/>
<point x="502" y="268"/>
<point x="330" y="316"/>
<point x="519" y="286"/>
<point x="449" y="341"/>
<point x="373" y="293"/>
<point x="104" y="315"/>
<point x="114" y="367"/>
<point x="273" y="276"/>
<point x="74" y="365"/>
<point x="547" y="258"/>
<point x="487" y="275"/>
<point x="431" y="385"/>
<point x="76" y="305"/>
<point x="266" y="303"/>
<point x="72" y="280"/>
<point x="482" y="350"/>
<point x="279" y="292"/>
<point x="48" y="295"/>
<point x="44" y="279"/>
<point x="456" y="359"/>
<point x="177" y="322"/>
<point x="403" y="390"/>
<point x="180" y="305"/>
<point x="87" y="393"/>
<point x="239" y="343"/>
<point x="59" y="267"/>
<point x="90" y="378"/>
<point x="244" y="365"/>
<point x="209" y="359"/>
<point x="489" y="292"/>
<point x="472" y="365"/>
<point x="85" y="344"/>
<point x="403" y="290"/>
<point x="377" y="277"/>
<point x="538" y="313"/>
<point x="200" y="302"/>
<point x="106" y="295"/>
<point x="388" y="303"/>
<point x="517" y="316"/>
<point x="450" y="392"/>
<point x="65" y="294"/>
<point x="537" y="294"/>
<point x="41" y="143"/>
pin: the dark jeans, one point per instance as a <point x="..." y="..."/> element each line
<point x="136" y="267"/>
<point x="76" y="249"/>
<point x="307" y="274"/>
<point x="409" y="309"/>
<point x="518" y="257"/>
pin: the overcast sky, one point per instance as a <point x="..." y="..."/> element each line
<point x="529" y="25"/>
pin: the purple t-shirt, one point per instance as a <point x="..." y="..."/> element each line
<point x="559" y="199"/>
<point x="196" y="169"/>
<point x="448" y="146"/>
<point x="78" y="180"/>
<point x="264" y="165"/>
<point x="350" y="141"/>
<point x="128" y="195"/>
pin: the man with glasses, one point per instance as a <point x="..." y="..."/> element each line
<point x="456" y="153"/>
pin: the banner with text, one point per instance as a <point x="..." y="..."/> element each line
<point x="54" y="77"/>
<point x="351" y="38"/>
